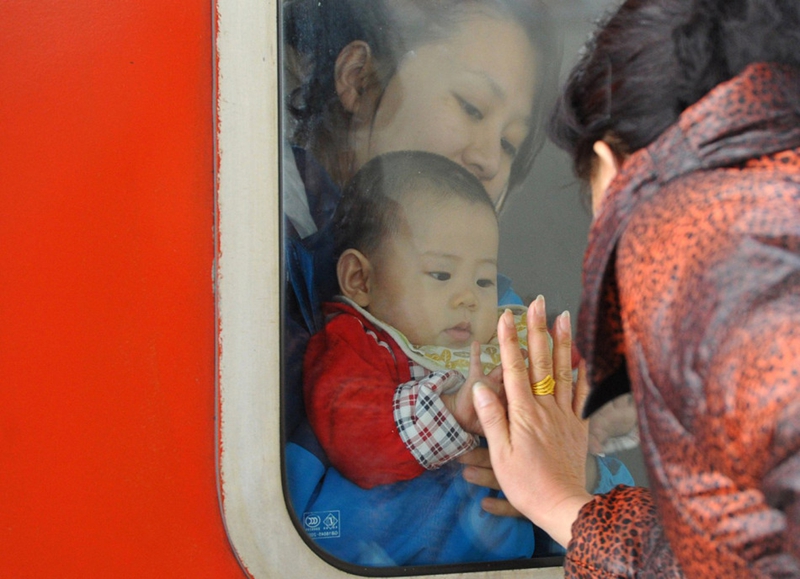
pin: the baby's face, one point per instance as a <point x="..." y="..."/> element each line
<point x="435" y="280"/>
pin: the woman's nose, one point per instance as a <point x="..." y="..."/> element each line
<point x="483" y="155"/>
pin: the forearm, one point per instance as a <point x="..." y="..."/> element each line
<point x="559" y="522"/>
<point x="362" y="443"/>
<point x="425" y="424"/>
<point x="350" y="382"/>
<point x="376" y="433"/>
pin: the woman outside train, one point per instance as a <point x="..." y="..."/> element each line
<point x="685" y="118"/>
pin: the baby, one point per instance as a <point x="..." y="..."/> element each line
<point x="417" y="239"/>
<point x="387" y="382"/>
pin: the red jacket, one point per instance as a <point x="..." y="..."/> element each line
<point x="692" y="298"/>
<point x="378" y="415"/>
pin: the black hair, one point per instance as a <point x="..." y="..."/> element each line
<point x="369" y="211"/>
<point x="651" y="59"/>
<point x="317" y="30"/>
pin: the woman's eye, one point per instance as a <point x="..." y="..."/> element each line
<point x="440" y="275"/>
<point x="485" y="283"/>
<point x="509" y="149"/>
<point x="470" y="109"/>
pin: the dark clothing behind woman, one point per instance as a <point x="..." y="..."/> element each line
<point x="310" y="280"/>
<point x="692" y="297"/>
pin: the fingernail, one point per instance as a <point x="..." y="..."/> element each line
<point x="538" y="305"/>
<point x="480" y="395"/>
<point x="564" y="322"/>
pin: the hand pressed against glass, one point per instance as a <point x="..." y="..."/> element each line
<point x="540" y="440"/>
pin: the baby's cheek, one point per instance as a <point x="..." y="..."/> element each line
<point x="487" y="327"/>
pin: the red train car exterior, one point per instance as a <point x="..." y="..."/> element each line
<point x="140" y="400"/>
<point x="107" y="323"/>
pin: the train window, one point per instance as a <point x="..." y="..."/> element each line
<point x="309" y="92"/>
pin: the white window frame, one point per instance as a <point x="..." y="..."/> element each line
<point x="246" y="279"/>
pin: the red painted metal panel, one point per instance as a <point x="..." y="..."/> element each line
<point x="107" y="328"/>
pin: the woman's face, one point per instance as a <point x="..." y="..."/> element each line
<point x="467" y="97"/>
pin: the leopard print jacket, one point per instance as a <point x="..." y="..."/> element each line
<point x="692" y="301"/>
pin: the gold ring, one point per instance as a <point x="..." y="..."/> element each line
<point x="544" y="386"/>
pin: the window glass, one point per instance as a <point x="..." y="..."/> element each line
<point x="379" y="306"/>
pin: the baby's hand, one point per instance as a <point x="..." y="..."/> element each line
<point x="460" y="403"/>
<point x="615" y="419"/>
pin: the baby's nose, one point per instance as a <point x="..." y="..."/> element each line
<point x="465" y="298"/>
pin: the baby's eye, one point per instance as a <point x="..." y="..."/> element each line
<point x="440" y="275"/>
<point x="471" y="110"/>
<point x="509" y="149"/>
<point x="485" y="282"/>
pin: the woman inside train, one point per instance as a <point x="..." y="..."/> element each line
<point x="463" y="79"/>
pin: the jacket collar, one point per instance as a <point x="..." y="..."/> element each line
<point x="706" y="136"/>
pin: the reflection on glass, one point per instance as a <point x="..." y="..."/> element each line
<point x="391" y="264"/>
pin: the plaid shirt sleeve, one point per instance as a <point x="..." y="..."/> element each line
<point x="428" y="429"/>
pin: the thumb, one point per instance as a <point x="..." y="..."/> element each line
<point x="492" y="416"/>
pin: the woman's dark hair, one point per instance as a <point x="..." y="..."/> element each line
<point x="651" y="59"/>
<point x="369" y="211"/>
<point x="317" y="31"/>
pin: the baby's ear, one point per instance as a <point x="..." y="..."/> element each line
<point x="352" y="72"/>
<point x="354" y="272"/>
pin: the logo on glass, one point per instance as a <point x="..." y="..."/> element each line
<point x="322" y="524"/>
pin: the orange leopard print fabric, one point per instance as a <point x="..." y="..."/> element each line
<point x="692" y="300"/>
